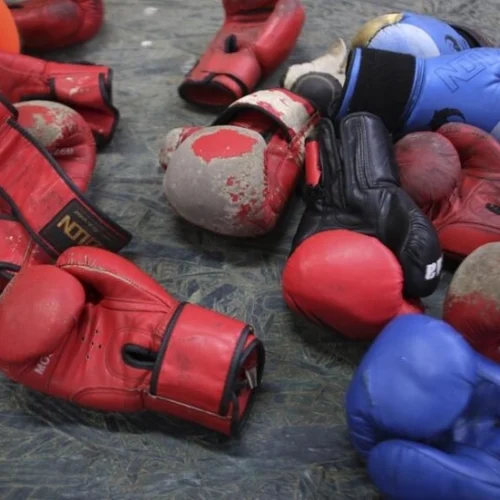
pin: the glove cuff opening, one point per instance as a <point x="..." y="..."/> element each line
<point x="474" y="38"/>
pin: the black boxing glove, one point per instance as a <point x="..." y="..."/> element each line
<point x="363" y="252"/>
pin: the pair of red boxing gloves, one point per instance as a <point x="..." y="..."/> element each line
<point x="81" y="323"/>
<point x="100" y="333"/>
<point x="87" y="88"/>
<point x="255" y="38"/>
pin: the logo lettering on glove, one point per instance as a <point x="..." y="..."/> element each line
<point x="433" y="270"/>
<point x="42" y="365"/>
<point x="77" y="225"/>
<point x="462" y="69"/>
<point x="76" y="233"/>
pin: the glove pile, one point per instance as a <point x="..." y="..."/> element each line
<point x="396" y="140"/>
<point x="393" y="142"/>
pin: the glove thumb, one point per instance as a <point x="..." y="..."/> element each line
<point x="413" y="471"/>
<point x="172" y="141"/>
<point x="321" y="80"/>
<point x="476" y="148"/>
<point x="113" y="277"/>
<point x="333" y="62"/>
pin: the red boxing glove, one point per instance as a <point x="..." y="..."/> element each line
<point x="472" y="302"/>
<point x="45" y="168"/>
<point x="454" y="176"/>
<point x="68" y="138"/>
<point x="86" y="88"/>
<point x="256" y="37"/>
<point x="102" y="334"/>
<point x="236" y="176"/>
<point x="64" y="134"/>
<point x="56" y="24"/>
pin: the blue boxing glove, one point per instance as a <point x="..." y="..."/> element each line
<point x="416" y="34"/>
<point x="412" y="94"/>
<point x="424" y="410"/>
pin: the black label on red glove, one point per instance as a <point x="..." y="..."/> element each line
<point x="45" y="200"/>
<point x="76" y="225"/>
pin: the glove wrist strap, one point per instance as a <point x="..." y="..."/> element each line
<point x="474" y="38"/>
<point x="84" y="87"/>
<point x="293" y="114"/>
<point x="379" y="82"/>
<point x="212" y="84"/>
<point x="207" y="369"/>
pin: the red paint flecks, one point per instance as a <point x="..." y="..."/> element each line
<point x="230" y="181"/>
<point x="246" y="209"/>
<point x="222" y="143"/>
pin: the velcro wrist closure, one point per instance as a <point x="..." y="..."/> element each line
<point x="379" y="82"/>
<point x="78" y="85"/>
<point x="220" y="78"/>
<point x="288" y="111"/>
<point x="207" y="369"/>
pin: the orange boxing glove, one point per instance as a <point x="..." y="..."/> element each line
<point x="9" y="35"/>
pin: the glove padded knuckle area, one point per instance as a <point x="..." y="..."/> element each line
<point x="55" y="300"/>
<point x="227" y="184"/>
<point x="331" y="298"/>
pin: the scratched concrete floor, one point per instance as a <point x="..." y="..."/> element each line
<point x="296" y="445"/>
